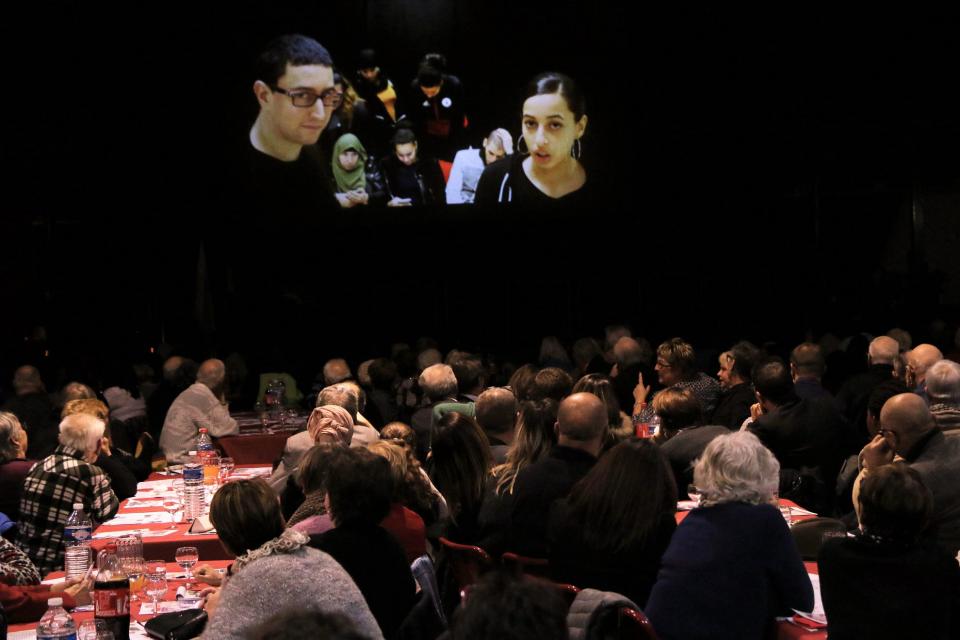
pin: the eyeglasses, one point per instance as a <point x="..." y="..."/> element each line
<point x="663" y="364"/>
<point x="331" y="97"/>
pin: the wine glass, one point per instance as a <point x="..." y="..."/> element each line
<point x="135" y="568"/>
<point x="694" y="493"/>
<point x="186" y="557"/>
<point x="172" y="505"/>
<point x="156" y="587"/>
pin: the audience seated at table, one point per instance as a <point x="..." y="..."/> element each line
<point x="359" y="488"/>
<point x="274" y="568"/>
<point x="886" y="581"/>
<point x="58" y="481"/>
<point x="732" y="564"/>
<point x="601" y="512"/>
<point x="611" y="531"/>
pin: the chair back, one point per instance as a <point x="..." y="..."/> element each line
<point x="524" y="564"/>
<point x="467" y="562"/>
<point x="426" y="576"/>
<point x="634" y="625"/>
<point x="809" y="535"/>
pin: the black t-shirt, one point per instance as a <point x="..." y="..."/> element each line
<point x="505" y="181"/>
<point x="289" y="189"/>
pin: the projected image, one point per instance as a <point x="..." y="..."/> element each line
<point x="320" y="142"/>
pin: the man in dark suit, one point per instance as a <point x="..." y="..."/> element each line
<point x="908" y="433"/>
<point x="804" y="435"/>
<point x="581" y="428"/>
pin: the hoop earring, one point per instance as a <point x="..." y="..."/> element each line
<point x="577" y="149"/>
<point x="525" y="151"/>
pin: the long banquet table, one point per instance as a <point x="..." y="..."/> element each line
<point x="259" y="443"/>
<point x="160" y="542"/>
<point x="26" y="630"/>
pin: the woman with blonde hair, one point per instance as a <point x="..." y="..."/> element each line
<point x="732" y="560"/>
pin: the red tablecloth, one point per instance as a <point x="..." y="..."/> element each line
<point x="255" y="443"/>
<point x="171" y="594"/>
<point x="164" y="548"/>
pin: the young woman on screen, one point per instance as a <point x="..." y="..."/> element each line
<point x="546" y="168"/>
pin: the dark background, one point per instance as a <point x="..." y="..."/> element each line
<point x="764" y="174"/>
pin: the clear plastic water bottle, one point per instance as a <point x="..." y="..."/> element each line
<point x="56" y="623"/>
<point x="76" y="542"/>
<point x="193" y="498"/>
<point x="209" y="459"/>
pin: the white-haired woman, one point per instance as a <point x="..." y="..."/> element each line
<point x="732" y="565"/>
<point x="13" y="464"/>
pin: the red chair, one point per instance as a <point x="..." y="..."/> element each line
<point x="634" y="625"/>
<point x="524" y="564"/>
<point x="466" y="562"/>
<point x="567" y="591"/>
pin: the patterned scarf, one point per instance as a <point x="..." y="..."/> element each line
<point x="287" y="542"/>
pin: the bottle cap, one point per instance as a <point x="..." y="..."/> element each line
<point x="55" y="602"/>
<point x="203" y="429"/>
<point x="78" y="506"/>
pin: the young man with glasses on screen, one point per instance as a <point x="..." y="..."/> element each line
<point x="294" y="87"/>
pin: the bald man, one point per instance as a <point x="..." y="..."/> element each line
<point x="202" y="404"/>
<point x="581" y="426"/>
<point x="35" y="410"/>
<point x="854" y="395"/>
<point x="909" y="434"/>
<point x="921" y="358"/>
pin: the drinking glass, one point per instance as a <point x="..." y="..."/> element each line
<point x="694" y="493"/>
<point x="186" y="557"/>
<point x="135" y="568"/>
<point x="172" y="505"/>
<point x="156" y="587"/>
